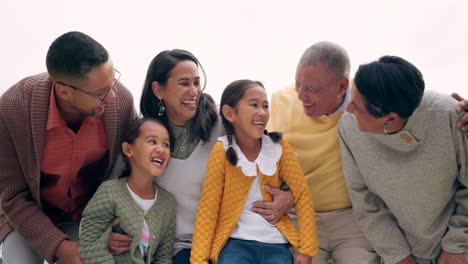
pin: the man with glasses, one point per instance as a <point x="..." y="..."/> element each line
<point x="58" y="133"/>
<point x="100" y="95"/>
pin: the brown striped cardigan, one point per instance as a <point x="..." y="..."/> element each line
<point x="23" y="119"/>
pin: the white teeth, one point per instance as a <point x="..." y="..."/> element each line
<point x="156" y="160"/>
<point x="307" y="104"/>
<point x="258" y="123"/>
<point x="188" y="102"/>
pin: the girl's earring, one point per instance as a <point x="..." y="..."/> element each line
<point x="161" y="108"/>
<point x="385" y="129"/>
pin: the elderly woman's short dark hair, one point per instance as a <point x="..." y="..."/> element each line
<point x="390" y="84"/>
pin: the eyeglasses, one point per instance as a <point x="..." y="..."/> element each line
<point x="102" y="98"/>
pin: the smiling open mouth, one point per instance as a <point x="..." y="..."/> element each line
<point x="156" y="160"/>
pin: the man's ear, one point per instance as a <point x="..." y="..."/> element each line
<point x="127" y="149"/>
<point x="61" y="91"/>
<point x="158" y="90"/>
<point x="228" y="113"/>
<point x="392" y="116"/>
<point x="343" y="86"/>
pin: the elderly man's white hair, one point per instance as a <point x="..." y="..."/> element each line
<point x="332" y="55"/>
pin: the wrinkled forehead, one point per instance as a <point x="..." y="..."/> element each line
<point x="319" y="73"/>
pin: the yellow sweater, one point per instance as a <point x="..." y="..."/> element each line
<point x="315" y="142"/>
<point x="224" y="192"/>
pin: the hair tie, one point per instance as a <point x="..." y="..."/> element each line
<point x="230" y="146"/>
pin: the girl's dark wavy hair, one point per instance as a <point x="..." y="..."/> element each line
<point x="131" y="134"/>
<point x="159" y="70"/>
<point x="231" y="96"/>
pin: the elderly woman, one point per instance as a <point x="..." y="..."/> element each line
<point x="405" y="163"/>
<point x="173" y="93"/>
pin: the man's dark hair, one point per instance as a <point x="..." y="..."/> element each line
<point x="74" y="54"/>
<point x="390" y="84"/>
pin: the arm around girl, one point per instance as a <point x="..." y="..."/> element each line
<point x="240" y="165"/>
<point x="146" y="211"/>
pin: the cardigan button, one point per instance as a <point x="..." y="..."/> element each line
<point x="154" y="237"/>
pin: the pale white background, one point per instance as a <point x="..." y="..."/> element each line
<point x="260" y="40"/>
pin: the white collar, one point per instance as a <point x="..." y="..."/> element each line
<point x="346" y="101"/>
<point x="266" y="161"/>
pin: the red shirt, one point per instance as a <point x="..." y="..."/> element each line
<point x="70" y="164"/>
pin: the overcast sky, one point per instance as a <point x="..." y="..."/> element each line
<point x="260" y="40"/>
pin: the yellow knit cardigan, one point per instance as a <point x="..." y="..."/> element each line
<point x="225" y="190"/>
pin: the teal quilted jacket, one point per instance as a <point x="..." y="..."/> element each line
<point x="113" y="200"/>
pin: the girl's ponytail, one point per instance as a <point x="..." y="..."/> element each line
<point x="231" y="154"/>
<point x="275" y="136"/>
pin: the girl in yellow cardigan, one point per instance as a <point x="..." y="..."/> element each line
<point x="240" y="164"/>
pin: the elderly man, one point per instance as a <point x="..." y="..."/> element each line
<point x="58" y="133"/>
<point x="308" y="115"/>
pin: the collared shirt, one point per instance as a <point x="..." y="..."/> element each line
<point x="70" y="163"/>
<point x="182" y="147"/>
<point x="346" y="101"/>
<point x="316" y="144"/>
<point x="250" y="225"/>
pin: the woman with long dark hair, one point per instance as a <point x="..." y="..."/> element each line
<point x="173" y="93"/>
